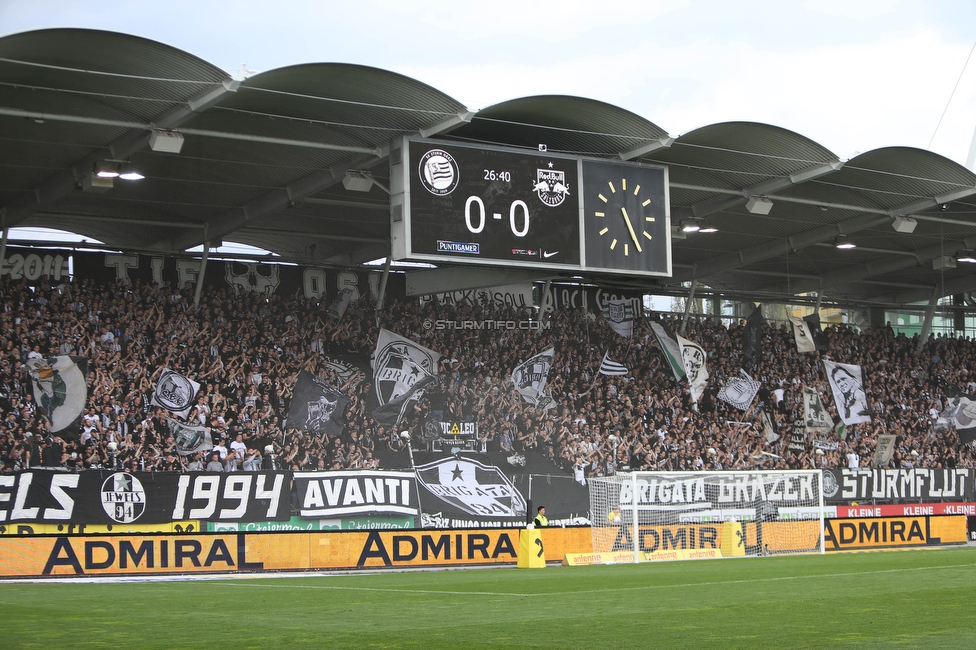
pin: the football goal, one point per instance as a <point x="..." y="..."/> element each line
<point x="645" y="516"/>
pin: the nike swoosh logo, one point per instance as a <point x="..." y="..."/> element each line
<point x="547" y="254"/>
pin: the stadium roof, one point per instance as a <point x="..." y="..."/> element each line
<point x="263" y="160"/>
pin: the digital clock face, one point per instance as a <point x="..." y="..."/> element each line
<point x="487" y="206"/>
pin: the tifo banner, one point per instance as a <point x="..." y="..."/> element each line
<point x="466" y="489"/>
<point x="873" y="484"/>
<point x="690" y="490"/>
<point x="573" y="297"/>
<point x="240" y="278"/>
<point x="349" y="493"/>
<point x="518" y="296"/>
<point x="103" y="497"/>
<point x="32" y="264"/>
<point x="847" y="384"/>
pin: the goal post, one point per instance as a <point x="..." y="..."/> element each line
<point x="643" y="516"/>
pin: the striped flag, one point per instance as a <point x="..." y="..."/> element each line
<point x="611" y="367"/>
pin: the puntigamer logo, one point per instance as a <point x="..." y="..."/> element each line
<point x="468" y="248"/>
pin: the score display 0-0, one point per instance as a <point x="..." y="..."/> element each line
<point x="507" y="207"/>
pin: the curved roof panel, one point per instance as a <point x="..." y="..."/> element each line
<point x="563" y="123"/>
<point x="263" y="162"/>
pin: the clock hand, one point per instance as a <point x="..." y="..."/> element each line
<point x="633" y="235"/>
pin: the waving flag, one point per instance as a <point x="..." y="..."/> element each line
<point x="401" y="368"/>
<point x="619" y="314"/>
<point x="61" y="390"/>
<point x="847" y="387"/>
<point x="739" y="391"/>
<point x="189" y="439"/>
<point x="174" y="392"/>
<point x="693" y="357"/>
<point x="530" y="379"/>
<point x="611" y="367"/>
<point x="802" y="335"/>
<point x="671" y="349"/>
<point x="316" y="406"/>
<point x="752" y="337"/>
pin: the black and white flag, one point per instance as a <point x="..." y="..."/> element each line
<point x="316" y="406"/>
<point x="798" y="437"/>
<point x="820" y="339"/>
<point x="802" y="335"/>
<point x="345" y="367"/>
<point x="752" y="337"/>
<point x="530" y="379"/>
<point x="401" y="368"/>
<point x="960" y="412"/>
<point x="619" y="315"/>
<point x="174" y="392"/>
<point x="611" y="368"/>
<point x="693" y="356"/>
<point x="189" y="439"/>
<point x="338" y="306"/>
<point x="769" y="431"/>
<point x="847" y="387"/>
<point x="60" y="390"/>
<point x="739" y="391"/>
<point x="671" y="349"/>
<point x="815" y="416"/>
<point x="884" y="449"/>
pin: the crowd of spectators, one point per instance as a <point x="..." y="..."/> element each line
<point x="246" y="352"/>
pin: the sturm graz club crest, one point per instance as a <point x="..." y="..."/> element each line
<point x="617" y="312"/>
<point x="123" y="498"/>
<point x="550" y="186"/>
<point x="174" y="391"/>
<point x="438" y="172"/>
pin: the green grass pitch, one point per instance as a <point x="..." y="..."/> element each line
<point x="909" y="599"/>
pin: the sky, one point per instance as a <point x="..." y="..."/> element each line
<point x="852" y="75"/>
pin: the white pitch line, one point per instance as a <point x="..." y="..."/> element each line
<point x="774" y="579"/>
<point x="434" y="592"/>
<point x="425" y="592"/>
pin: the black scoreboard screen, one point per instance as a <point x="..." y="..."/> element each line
<point x="504" y="207"/>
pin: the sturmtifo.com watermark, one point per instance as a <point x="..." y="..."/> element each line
<point x="486" y="325"/>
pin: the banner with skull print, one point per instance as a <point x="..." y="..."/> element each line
<point x="316" y="406"/>
<point x="264" y="279"/>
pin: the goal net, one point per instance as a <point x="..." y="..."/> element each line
<point x="688" y="515"/>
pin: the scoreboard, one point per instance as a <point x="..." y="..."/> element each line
<point x="495" y="206"/>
